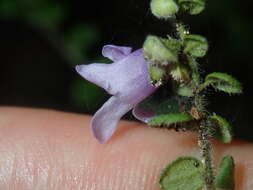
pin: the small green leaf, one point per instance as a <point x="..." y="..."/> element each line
<point x="185" y="173"/>
<point x="156" y="74"/>
<point x="158" y="50"/>
<point x="223" y="82"/>
<point x="164" y="8"/>
<point x="184" y="90"/>
<point x="194" y="7"/>
<point x="169" y="119"/>
<point x="173" y="44"/>
<point x="225" y="178"/>
<point x="195" y="45"/>
<point x="224" y="128"/>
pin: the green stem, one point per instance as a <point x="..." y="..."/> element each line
<point x="195" y="71"/>
<point x="206" y="147"/>
<point x="205" y="144"/>
<point x="204" y="138"/>
<point x="204" y="132"/>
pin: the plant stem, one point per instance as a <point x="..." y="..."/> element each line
<point x="195" y="71"/>
<point x="206" y="147"/>
<point x="204" y="130"/>
<point x="204" y="142"/>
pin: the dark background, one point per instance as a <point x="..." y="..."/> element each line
<point x="42" y="40"/>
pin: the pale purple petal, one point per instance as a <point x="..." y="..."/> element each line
<point x="97" y="73"/>
<point x="131" y="77"/>
<point x="128" y="76"/>
<point x="142" y="114"/>
<point x="126" y="79"/>
<point x="104" y="122"/>
<point x="116" y="53"/>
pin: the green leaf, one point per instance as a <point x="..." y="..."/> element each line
<point x="224" y="128"/>
<point x="172" y="43"/>
<point x="225" y="178"/>
<point x="184" y="90"/>
<point x="195" y="45"/>
<point x="194" y="7"/>
<point x="169" y="119"/>
<point x="223" y="82"/>
<point x="160" y="50"/>
<point x="185" y="173"/>
<point x="156" y="74"/>
<point x="164" y="8"/>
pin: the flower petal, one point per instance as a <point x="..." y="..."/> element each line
<point x="142" y="114"/>
<point x="116" y="53"/>
<point x="105" y="120"/>
<point x="130" y="77"/>
<point x="98" y="74"/>
<point x="125" y="77"/>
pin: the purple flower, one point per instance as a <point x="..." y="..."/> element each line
<point x="126" y="79"/>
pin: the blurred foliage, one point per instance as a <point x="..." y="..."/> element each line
<point x="85" y="94"/>
<point x="79" y="39"/>
<point x="43" y="13"/>
<point x="47" y="16"/>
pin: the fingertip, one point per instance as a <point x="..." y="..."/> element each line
<point x="59" y="145"/>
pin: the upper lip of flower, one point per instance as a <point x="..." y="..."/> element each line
<point x="126" y="79"/>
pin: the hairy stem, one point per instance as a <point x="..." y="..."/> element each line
<point x="204" y="136"/>
<point x="199" y="105"/>
<point x="204" y="130"/>
<point x="206" y="147"/>
<point x="195" y="71"/>
<point x="205" y="133"/>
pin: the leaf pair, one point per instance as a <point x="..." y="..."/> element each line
<point x="186" y="173"/>
<point x="223" y="128"/>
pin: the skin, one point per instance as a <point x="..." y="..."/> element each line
<point x="51" y="150"/>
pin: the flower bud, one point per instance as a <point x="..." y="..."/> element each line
<point x="159" y="50"/>
<point x="194" y="7"/>
<point x="195" y="45"/>
<point x="164" y="8"/>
